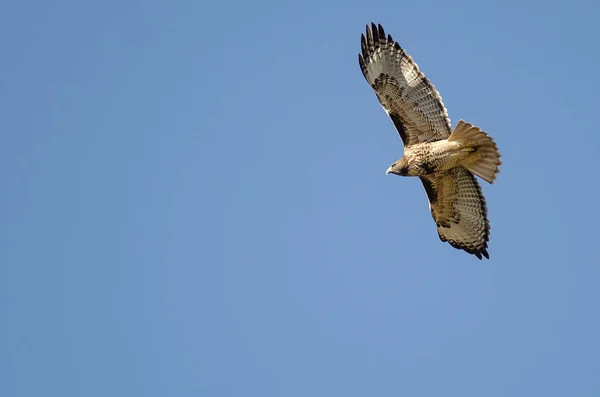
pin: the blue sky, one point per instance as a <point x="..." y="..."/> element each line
<point x="195" y="202"/>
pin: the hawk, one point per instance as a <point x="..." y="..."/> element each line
<point x="445" y="161"/>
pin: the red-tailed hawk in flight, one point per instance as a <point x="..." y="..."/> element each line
<point x="446" y="161"/>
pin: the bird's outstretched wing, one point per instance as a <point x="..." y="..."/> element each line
<point x="459" y="210"/>
<point x="408" y="97"/>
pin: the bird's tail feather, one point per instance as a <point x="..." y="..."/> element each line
<point x="485" y="160"/>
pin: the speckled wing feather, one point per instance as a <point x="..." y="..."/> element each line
<point x="408" y="97"/>
<point x="459" y="210"/>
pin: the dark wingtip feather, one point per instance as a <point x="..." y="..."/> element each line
<point x="381" y="32"/>
<point x="375" y="33"/>
<point x="363" y="46"/>
<point x="369" y="35"/>
<point x="485" y="253"/>
<point x="477" y="254"/>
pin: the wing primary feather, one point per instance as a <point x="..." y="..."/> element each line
<point x="375" y="35"/>
<point x="363" y="46"/>
<point x="485" y="253"/>
<point x="381" y="33"/>
<point x="369" y="37"/>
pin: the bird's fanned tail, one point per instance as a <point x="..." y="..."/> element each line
<point x="486" y="158"/>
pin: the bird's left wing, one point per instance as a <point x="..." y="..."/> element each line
<point x="408" y="97"/>
<point x="459" y="210"/>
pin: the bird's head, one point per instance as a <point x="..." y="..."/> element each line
<point x="400" y="167"/>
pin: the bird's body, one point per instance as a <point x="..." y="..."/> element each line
<point x="445" y="160"/>
<point x="431" y="158"/>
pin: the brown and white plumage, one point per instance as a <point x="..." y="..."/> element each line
<point x="409" y="98"/>
<point x="459" y="210"/>
<point x="445" y="161"/>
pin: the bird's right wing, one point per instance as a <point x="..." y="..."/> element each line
<point x="459" y="210"/>
<point x="407" y="96"/>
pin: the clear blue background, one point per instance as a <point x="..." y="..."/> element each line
<point x="194" y="202"/>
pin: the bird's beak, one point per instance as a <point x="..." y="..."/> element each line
<point x="389" y="170"/>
